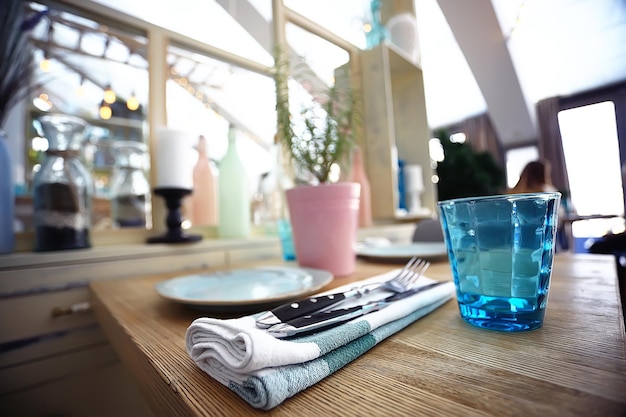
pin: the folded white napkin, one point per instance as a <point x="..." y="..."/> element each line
<point x="265" y="371"/>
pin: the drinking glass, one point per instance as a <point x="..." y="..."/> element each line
<point x="501" y="250"/>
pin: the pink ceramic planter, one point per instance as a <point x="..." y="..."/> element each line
<point x="325" y="221"/>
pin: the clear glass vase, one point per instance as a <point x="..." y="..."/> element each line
<point x="62" y="188"/>
<point x="130" y="189"/>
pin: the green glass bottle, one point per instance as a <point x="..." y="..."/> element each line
<point x="234" y="195"/>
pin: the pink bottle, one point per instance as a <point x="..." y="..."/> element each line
<point x="357" y="174"/>
<point x="204" y="211"/>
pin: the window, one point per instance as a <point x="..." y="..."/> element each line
<point x="225" y="51"/>
<point x="205" y="95"/>
<point x="590" y="145"/>
<point x="516" y="160"/>
<point x="592" y="158"/>
<point x="343" y="18"/>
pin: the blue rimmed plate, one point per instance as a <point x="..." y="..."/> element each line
<point x="243" y="289"/>
<point x="403" y="252"/>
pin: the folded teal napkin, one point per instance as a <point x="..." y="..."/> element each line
<point x="265" y="371"/>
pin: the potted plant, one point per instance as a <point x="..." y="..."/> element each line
<point x="318" y="136"/>
<point x="15" y="78"/>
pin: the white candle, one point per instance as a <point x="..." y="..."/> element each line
<point x="414" y="186"/>
<point x="414" y="178"/>
<point x="174" y="159"/>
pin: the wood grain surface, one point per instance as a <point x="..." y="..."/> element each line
<point x="575" y="365"/>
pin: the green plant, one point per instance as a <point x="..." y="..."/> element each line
<point x="15" y="54"/>
<point x="318" y="133"/>
<point x="465" y="172"/>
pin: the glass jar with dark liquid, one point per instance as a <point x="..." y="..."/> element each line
<point x="62" y="188"/>
<point x="130" y="189"/>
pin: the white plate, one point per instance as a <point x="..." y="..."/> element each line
<point x="404" y="252"/>
<point x="243" y="289"/>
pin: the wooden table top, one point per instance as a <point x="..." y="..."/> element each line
<point x="574" y="365"/>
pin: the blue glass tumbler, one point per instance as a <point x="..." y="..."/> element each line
<point x="501" y="250"/>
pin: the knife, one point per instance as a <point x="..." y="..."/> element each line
<point x="320" y="320"/>
<point x="299" y="308"/>
<point x="302" y="307"/>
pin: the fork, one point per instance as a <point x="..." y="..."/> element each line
<point x="402" y="281"/>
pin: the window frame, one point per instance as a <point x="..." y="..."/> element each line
<point x="158" y="40"/>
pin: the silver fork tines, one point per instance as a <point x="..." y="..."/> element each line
<point x="411" y="272"/>
<point x="404" y="280"/>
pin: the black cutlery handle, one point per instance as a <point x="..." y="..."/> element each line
<point x="290" y="311"/>
<point x="325" y="316"/>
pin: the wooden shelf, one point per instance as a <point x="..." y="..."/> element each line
<point x="395" y="128"/>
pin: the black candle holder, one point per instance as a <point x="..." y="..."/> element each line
<point x="173" y="199"/>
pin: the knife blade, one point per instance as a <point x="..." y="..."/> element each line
<point x="324" y="319"/>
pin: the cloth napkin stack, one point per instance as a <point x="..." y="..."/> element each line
<point x="265" y="371"/>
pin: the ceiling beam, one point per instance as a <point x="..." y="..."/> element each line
<point x="249" y="18"/>
<point x="478" y="33"/>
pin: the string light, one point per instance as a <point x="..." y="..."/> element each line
<point x="109" y="95"/>
<point x="105" y="112"/>
<point x="186" y="85"/>
<point x="458" y="137"/>
<point x="132" y="103"/>
<point x="80" y="91"/>
<point x="45" y="64"/>
<point x="518" y="19"/>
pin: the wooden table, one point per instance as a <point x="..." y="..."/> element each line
<point x="574" y="365"/>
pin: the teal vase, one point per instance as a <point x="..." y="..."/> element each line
<point x="7" y="197"/>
